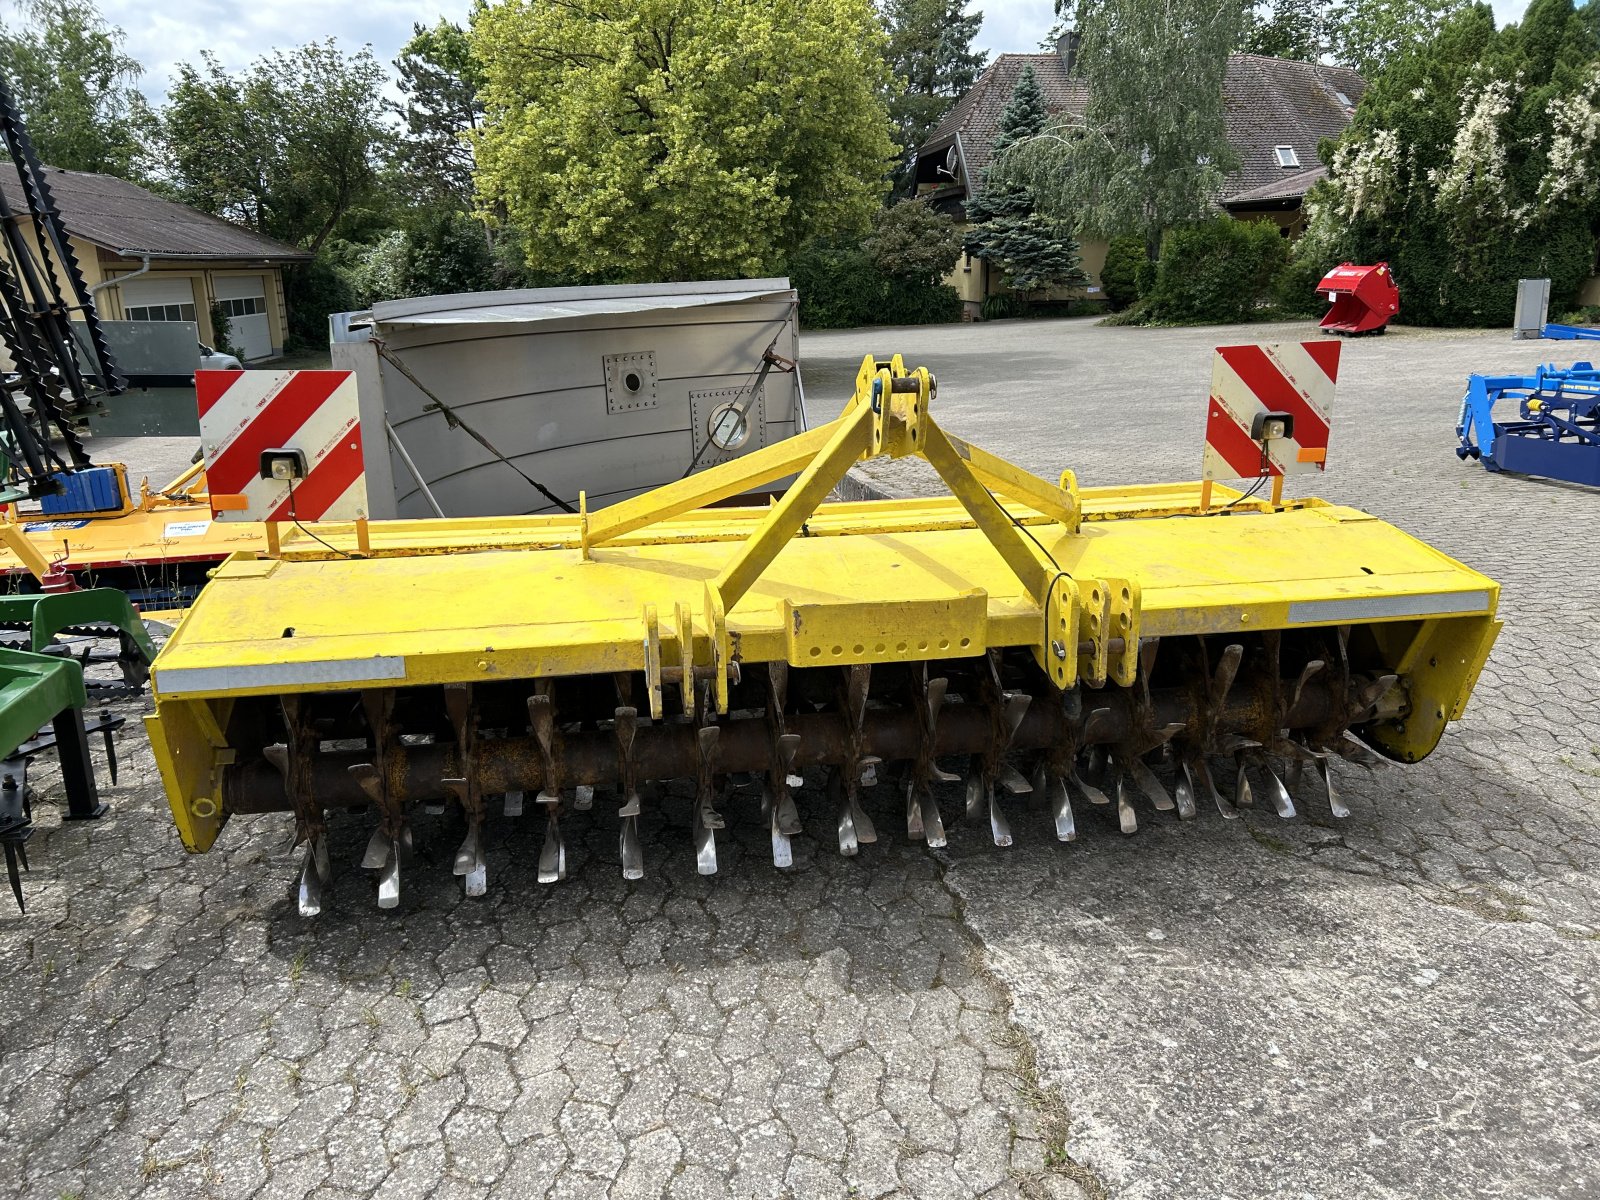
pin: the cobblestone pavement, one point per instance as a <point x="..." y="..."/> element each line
<point x="1399" y="1004"/>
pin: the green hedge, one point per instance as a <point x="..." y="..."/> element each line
<point x="1216" y="272"/>
<point x="1119" y="278"/>
<point x="840" y="288"/>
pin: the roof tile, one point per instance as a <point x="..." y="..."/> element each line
<point x="119" y="215"/>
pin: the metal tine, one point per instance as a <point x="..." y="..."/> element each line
<point x="1349" y="748"/>
<point x="787" y="815"/>
<point x="706" y="818"/>
<point x="1374" y="692"/>
<point x="854" y="826"/>
<point x="999" y="827"/>
<point x="1093" y="794"/>
<point x="315" y="873"/>
<point x="974" y="795"/>
<point x="16" y="879"/>
<point x="1097" y="762"/>
<point x="541" y="715"/>
<point x="1014" y="781"/>
<point x="1054" y="789"/>
<point x="1282" y="801"/>
<point x="553" y="855"/>
<point x="470" y="857"/>
<point x="915" y="829"/>
<point x="1325" y="769"/>
<point x="389" y="880"/>
<point x="1125" y="814"/>
<point x="1307" y="672"/>
<point x="1202" y="773"/>
<point x="631" y="852"/>
<point x="1227" y="670"/>
<point x="1149" y="784"/>
<point x="1184" y="792"/>
<point x="932" y="820"/>
<point x="865" y="830"/>
<point x="1243" y="797"/>
<point x="629" y="848"/>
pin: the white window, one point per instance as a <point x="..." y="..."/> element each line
<point x="1343" y="99"/>
<point x="1287" y="157"/>
<point x="249" y="306"/>
<point x="160" y="312"/>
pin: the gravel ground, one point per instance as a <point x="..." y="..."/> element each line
<point x="1399" y="1004"/>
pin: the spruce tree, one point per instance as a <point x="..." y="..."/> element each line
<point x="1032" y="252"/>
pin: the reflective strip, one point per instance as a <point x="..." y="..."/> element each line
<point x="177" y="681"/>
<point x="1373" y="608"/>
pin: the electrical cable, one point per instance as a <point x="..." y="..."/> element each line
<point x="453" y="419"/>
<point x="312" y="536"/>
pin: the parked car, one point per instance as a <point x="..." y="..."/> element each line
<point x="214" y="360"/>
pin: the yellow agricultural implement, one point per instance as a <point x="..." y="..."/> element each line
<point x="1075" y="645"/>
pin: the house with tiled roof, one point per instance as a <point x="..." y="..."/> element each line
<point x="147" y="258"/>
<point x="1276" y="111"/>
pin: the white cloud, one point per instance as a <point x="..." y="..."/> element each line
<point x="1018" y="26"/>
<point x="237" y="33"/>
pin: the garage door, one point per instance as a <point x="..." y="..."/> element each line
<point x="157" y="299"/>
<point x="244" y="297"/>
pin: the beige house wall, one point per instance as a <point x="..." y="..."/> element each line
<point x="102" y="266"/>
<point x="202" y="279"/>
<point x="974" y="281"/>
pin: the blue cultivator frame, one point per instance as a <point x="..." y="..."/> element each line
<point x="1558" y="435"/>
<point x="1570" y="333"/>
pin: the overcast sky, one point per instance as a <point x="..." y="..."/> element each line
<point x="237" y="31"/>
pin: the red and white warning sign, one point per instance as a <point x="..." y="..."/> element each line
<point x="243" y="413"/>
<point x="1295" y="378"/>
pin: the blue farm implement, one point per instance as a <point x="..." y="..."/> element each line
<point x="1557" y="433"/>
<point x="1570" y="333"/>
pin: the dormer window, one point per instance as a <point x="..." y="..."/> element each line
<point x="1287" y="157"/>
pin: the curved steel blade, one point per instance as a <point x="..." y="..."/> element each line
<point x="1054" y="790"/>
<point x="998" y="825"/>
<point x="705" y="842"/>
<point x="1282" y="801"/>
<point x="1184" y="792"/>
<point x="1243" y="797"/>
<point x="1125" y="815"/>
<point x="389" y="881"/>
<point x="932" y="821"/>
<point x="1149" y="784"/>
<point x="379" y="846"/>
<point x="1208" y="785"/>
<point x="553" y="856"/>
<point x="1093" y="794"/>
<point x="630" y="850"/>
<point x="1325" y="769"/>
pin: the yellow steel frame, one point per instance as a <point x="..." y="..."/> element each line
<point x="661" y="585"/>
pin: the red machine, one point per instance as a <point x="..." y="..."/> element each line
<point x="1363" y="299"/>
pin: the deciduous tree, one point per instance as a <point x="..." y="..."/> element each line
<point x="287" y="147"/>
<point x="675" y="139"/>
<point x="75" y="84"/>
<point x="1473" y="161"/>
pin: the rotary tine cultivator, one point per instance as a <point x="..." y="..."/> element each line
<point x="1068" y="646"/>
